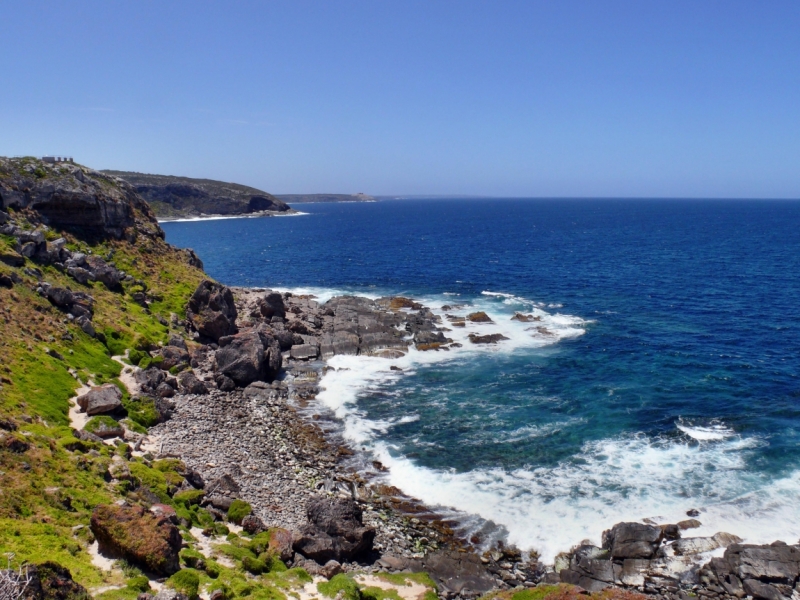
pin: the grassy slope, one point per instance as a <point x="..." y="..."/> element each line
<point x="48" y="492"/>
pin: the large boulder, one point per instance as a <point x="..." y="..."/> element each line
<point x="249" y="356"/>
<point x="271" y="305"/>
<point x="102" y="399"/>
<point x="190" y="384"/>
<point x="149" y="541"/>
<point x="174" y="356"/>
<point x="211" y="310"/>
<point x="105" y="273"/>
<point x="632" y="540"/>
<point x="335" y="531"/>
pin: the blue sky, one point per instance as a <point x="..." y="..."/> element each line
<point x="556" y="98"/>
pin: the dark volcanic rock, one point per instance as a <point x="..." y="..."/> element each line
<point x="253" y="525"/>
<point x="764" y="572"/>
<point x="105" y="273"/>
<point x="262" y="203"/>
<point x="335" y="532"/>
<point x="458" y="571"/>
<point x="174" y="356"/>
<point x="211" y="310"/>
<point x="190" y="384"/>
<point x="491" y="338"/>
<point x="590" y="568"/>
<point x="150" y="378"/>
<point x="479" y="317"/>
<point x="271" y="305"/>
<point x="130" y="532"/>
<point x="249" y="356"/>
<point x="51" y="581"/>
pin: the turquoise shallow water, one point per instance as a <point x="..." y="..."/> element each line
<point x="666" y="377"/>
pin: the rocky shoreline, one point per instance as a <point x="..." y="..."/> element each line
<point x="256" y="433"/>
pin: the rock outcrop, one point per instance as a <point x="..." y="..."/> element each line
<point x="763" y="572"/>
<point x="211" y="311"/>
<point x="102" y="399"/>
<point x="76" y="199"/>
<point x="335" y="531"/>
<point x="649" y="557"/>
<point x="249" y="356"/>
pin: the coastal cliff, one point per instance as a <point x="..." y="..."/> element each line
<point x="156" y="438"/>
<point x="184" y="197"/>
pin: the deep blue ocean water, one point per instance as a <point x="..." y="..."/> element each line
<point x="666" y="375"/>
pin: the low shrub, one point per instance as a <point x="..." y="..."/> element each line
<point x="260" y="542"/>
<point x="239" y="510"/>
<point x="189" y="498"/>
<point x="340" y="583"/>
<point x="136" y="356"/>
<point x="139" y="584"/>
<point x="186" y="581"/>
<point x="255" y="566"/>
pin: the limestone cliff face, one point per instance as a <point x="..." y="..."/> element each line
<point x="75" y="198"/>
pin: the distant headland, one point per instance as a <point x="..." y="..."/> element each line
<point x="173" y="198"/>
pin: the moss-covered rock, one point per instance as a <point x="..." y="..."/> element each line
<point x="104" y="427"/>
<point x="140" y="537"/>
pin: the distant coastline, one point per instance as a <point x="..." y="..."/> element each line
<point x="318" y="198"/>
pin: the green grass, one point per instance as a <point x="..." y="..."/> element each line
<point x="96" y="423"/>
<point x="39" y="542"/>
<point x="405" y="578"/>
<point x="186" y="581"/>
<point x="340" y="583"/>
<point x="376" y="593"/>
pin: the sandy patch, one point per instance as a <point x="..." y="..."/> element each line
<point x="309" y="591"/>
<point x="127" y="376"/>
<point x="205" y="546"/>
<point x="98" y="560"/>
<point x="410" y="591"/>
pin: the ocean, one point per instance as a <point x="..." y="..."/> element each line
<point x="662" y="372"/>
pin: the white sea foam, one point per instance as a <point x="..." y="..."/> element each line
<point x="528" y="432"/>
<point x="226" y="217"/>
<point x="551" y="509"/>
<point x="713" y="431"/>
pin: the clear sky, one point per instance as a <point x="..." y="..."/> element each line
<point x="554" y="98"/>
